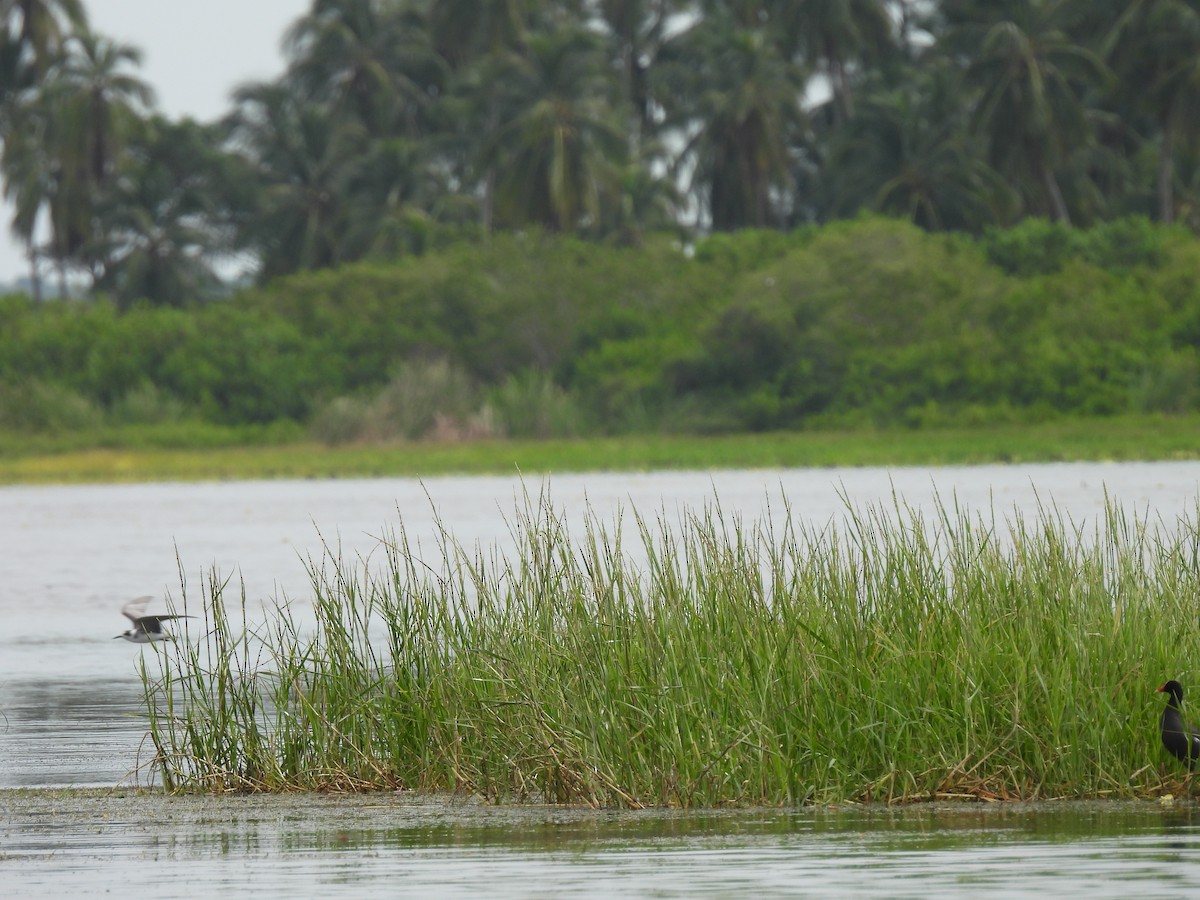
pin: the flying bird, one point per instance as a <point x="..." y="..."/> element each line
<point x="146" y="629"/>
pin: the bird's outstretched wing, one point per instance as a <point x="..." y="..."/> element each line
<point x="134" y="608"/>
<point x="146" y="620"/>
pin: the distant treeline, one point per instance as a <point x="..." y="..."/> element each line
<point x="399" y="126"/>
<point x="870" y="321"/>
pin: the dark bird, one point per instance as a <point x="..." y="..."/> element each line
<point x="1177" y="736"/>
<point x="146" y="629"/>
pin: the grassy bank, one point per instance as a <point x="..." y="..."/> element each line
<point x="135" y="458"/>
<point x="703" y="662"/>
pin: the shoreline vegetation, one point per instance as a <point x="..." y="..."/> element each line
<point x="886" y="656"/>
<point x="861" y="326"/>
<point x="135" y="456"/>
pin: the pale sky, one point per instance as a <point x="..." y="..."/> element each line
<point x="193" y="54"/>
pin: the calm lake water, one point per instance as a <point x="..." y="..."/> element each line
<point x="69" y="707"/>
<point x="389" y="845"/>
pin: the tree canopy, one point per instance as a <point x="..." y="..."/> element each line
<point x="403" y="125"/>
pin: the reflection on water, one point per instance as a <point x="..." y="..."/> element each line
<point x="70" y="712"/>
<point x="86" y="733"/>
<point x="378" y="845"/>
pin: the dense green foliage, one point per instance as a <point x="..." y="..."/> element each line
<point x="864" y="322"/>
<point x="884" y="656"/>
<point x="399" y="125"/>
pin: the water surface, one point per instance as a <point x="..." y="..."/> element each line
<point x="389" y="845"/>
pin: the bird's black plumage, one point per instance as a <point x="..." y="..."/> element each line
<point x="146" y="629"/>
<point x="1177" y="736"/>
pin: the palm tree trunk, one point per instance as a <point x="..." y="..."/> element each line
<point x="486" y="210"/>
<point x="1058" y="206"/>
<point x="843" y="100"/>
<point x="35" y="276"/>
<point x="1166" y="173"/>
<point x="489" y="191"/>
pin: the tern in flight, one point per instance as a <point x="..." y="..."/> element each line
<point x="146" y="629"/>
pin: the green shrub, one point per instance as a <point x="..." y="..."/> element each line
<point x="1170" y="386"/>
<point x="422" y="396"/>
<point x="146" y="404"/>
<point x="1040" y="247"/>
<point x="865" y="321"/>
<point x="425" y="398"/>
<point x="1032" y="247"/>
<point x="816" y="333"/>
<point x="45" y="407"/>
<point x="246" y="367"/>
<point x="530" y="404"/>
<point x="341" y="420"/>
<point x="746" y="250"/>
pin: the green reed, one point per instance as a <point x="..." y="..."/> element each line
<point x="700" y="660"/>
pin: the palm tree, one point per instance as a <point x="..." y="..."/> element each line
<point x="908" y="152"/>
<point x="637" y="30"/>
<point x="29" y="178"/>
<point x="100" y="98"/>
<point x="464" y="31"/>
<point x="35" y="30"/>
<point x="390" y="200"/>
<point x="736" y="104"/>
<point x="647" y="204"/>
<point x="305" y="158"/>
<point x="373" y="59"/>
<point x="1155" y="46"/>
<point x="79" y="117"/>
<point x="558" y="153"/>
<point x="164" y="221"/>
<point x="834" y="35"/>
<point x="32" y="33"/>
<point x="1032" y="107"/>
<point x="485" y="44"/>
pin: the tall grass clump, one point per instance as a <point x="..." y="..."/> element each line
<point x="432" y="398"/>
<point x="887" y="655"/>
